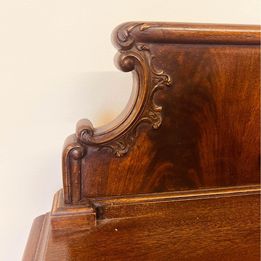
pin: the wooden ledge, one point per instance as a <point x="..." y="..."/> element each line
<point x="140" y="205"/>
<point x="178" y="195"/>
<point x="83" y="216"/>
<point x="222" y="221"/>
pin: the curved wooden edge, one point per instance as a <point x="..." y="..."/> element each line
<point x="73" y="152"/>
<point x="119" y="136"/>
<point x="35" y="247"/>
<point x="132" y="39"/>
<point x="126" y="34"/>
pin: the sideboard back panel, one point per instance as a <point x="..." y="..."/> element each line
<point x="209" y="136"/>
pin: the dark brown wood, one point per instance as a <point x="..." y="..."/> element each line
<point x="71" y="217"/>
<point x="176" y="175"/>
<point x="220" y="224"/>
<point x="126" y="34"/>
<point x="193" y="118"/>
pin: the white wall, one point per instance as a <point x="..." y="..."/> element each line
<point x="56" y="66"/>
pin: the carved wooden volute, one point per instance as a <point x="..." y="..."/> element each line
<point x="119" y="136"/>
<point x="136" y="57"/>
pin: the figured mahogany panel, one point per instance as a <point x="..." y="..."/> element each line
<point x="192" y="120"/>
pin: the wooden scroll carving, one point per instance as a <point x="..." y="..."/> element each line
<point x="120" y="135"/>
<point x="193" y="135"/>
<point x="142" y="108"/>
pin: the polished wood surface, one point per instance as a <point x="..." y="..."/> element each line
<point x="176" y="175"/>
<point x="221" y="224"/>
<point x="34" y="238"/>
<point x="192" y="120"/>
<point x="209" y="135"/>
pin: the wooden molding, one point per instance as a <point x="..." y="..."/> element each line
<point x="231" y="215"/>
<point x="136" y="205"/>
<point x="73" y="153"/>
<point x="127" y="34"/>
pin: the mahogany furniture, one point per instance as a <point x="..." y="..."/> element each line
<point x="176" y="175"/>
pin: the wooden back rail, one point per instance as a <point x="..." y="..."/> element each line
<point x="176" y="175"/>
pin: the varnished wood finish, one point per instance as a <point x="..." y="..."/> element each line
<point x="140" y="205"/>
<point x="176" y="175"/>
<point x="221" y="224"/>
<point x="71" y="217"/>
<point x="34" y="239"/>
<point x="166" y="32"/>
<point x="192" y="120"/>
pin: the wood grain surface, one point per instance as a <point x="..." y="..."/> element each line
<point x="221" y="224"/>
<point x="193" y="124"/>
<point x="177" y="175"/>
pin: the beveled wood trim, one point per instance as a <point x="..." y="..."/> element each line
<point x="178" y="195"/>
<point x="140" y="205"/>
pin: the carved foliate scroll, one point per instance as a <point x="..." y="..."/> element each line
<point x="136" y="57"/>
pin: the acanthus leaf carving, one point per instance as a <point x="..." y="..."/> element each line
<point x="136" y="57"/>
<point x="119" y="137"/>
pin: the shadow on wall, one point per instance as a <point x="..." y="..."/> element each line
<point x="98" y="96"/>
